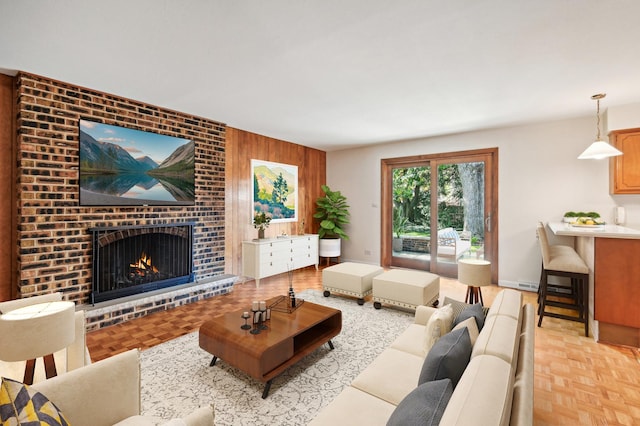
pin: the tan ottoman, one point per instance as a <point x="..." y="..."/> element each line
<point x="405" y="288"/>
<point x="352" y="279"/>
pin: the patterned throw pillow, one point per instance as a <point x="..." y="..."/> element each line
<point x="19" y="405"/>
<point x="478" y="311"/>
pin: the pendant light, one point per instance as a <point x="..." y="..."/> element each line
<point x="599" y="149"/>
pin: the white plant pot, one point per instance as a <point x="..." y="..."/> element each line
<point x="329" y="247"/>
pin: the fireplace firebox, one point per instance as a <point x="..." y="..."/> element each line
<point x="137" y="259"/>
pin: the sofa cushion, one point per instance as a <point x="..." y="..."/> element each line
<point x="507" y="302"/>
<point x="448" y="357"/>
<point x="483" y="395"/>
<point x="411" y="340"/>
<point x="424" y="406"/>
<point x="522" y="404"/>
<point x="499" y="337"/>
<point x="150" y="421"/>
<point x="390" y="376"/>
<point x="471" y="311"/>
<point x="472" y="326"/>
<point x="21" y="405"/>
<point x="438" y="325"/>
<point x="354" y="407"/>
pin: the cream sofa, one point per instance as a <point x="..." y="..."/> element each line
<point x="73" y="356"/>
<point x="107" y="393"/>
<point x="496" y="387"/>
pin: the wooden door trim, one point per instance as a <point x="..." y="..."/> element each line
<point x="488" y="155"/>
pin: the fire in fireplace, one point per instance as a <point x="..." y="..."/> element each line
<point x="137" y="259"/>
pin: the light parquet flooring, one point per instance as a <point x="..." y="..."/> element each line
<point x="577" y="381"/>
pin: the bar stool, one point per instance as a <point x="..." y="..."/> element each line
<point x="562" y="261"/>
<point x="475" y="273"/>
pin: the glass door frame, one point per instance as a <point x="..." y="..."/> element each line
<point x="490" y="157"/>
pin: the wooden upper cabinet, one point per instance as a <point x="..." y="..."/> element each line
<point x="624" y="170"/>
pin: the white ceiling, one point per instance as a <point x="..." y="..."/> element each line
<point x="331" y="74"/>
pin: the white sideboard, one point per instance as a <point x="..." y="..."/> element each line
<point x="272" y="256"/>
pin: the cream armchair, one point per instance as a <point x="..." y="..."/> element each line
<point x="74" y="356"/>
<point x="107" y="393"/>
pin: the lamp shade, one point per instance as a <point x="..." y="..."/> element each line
<point x="599" y="150"/>
<point x="474" y="272"/>
<point x="36" y="330"/>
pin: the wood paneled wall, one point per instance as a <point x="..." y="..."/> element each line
<point x="7" y="193"/>
<point x="241" y="148"/>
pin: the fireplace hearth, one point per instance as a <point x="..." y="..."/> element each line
<point x="137" y="259"/>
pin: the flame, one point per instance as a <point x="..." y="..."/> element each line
<point x="144" y="263"/>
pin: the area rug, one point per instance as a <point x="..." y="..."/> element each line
<point x="177" y="378"/>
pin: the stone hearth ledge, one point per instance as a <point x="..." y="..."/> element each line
<point x="123" y="309"/>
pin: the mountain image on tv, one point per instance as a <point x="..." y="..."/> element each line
<point x="122" y="166"/>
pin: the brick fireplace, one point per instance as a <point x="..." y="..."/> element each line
<point x="53" y="230"/>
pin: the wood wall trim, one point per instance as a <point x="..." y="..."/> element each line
<point x="241" y="148"/>
<point x="7" y="189"/>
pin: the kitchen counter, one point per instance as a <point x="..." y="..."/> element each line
<point x="604" y="231"/>
<point x="611" y="252"/>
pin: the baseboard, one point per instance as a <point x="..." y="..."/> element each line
<point x="519" y="285"/>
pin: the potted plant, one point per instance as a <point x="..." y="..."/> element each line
<point x="333" y="212"/>
<point x="261" y="222"/>
<point x="399" y="227"/>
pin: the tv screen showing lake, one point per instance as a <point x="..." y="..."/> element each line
<point x="122" y="166"/>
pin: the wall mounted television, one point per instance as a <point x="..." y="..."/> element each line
<point x="120" y="166"/>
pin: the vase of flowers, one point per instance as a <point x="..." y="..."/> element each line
<point x="261" y="222"/>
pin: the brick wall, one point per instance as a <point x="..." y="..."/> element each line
<point x="54" y="247"/>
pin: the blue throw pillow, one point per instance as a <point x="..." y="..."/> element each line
<point x="424" y="405"/>
<point x="448" y="358"/>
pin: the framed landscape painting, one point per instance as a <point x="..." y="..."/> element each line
<point x="275" y="190"/>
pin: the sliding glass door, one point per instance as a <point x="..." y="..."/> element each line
<point x="438" y="209"/>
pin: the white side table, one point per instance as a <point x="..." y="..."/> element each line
<point x="36" y="331"/>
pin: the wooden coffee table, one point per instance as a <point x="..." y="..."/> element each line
<point x="289" y="337"/>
